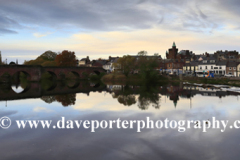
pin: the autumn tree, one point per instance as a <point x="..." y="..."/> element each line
<point x="66" y="58"/>
<point x="126" y="63"/>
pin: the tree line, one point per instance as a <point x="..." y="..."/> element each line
<point x="144" y="65"/>
<point x="49" y="58"/>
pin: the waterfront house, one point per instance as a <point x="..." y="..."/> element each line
<point x="231" y="68"/>
<point x="190" y="67"/>
<point x="84" y="61"/>
<point x="210" y="64"/>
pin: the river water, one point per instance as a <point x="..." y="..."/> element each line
<point x="175" y="102"/>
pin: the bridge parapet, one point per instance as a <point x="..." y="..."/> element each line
<point x="35" y="72"/>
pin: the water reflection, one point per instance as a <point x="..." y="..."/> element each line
<point x="111" y="102"/>
<point x="17" y="89"/>
<point x="65" y="92"/>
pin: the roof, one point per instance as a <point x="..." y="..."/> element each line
<point x="102" y="61"/>
<point x="194" y="63"/>
<point x="221" y="63"/>
<point x="83" y="59"/>
<point x="115" y="60"/>
<point x="209" y="61"/>
<point x="232" y="64"/>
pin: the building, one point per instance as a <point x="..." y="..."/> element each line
<point x="98" y="63"/>
<point x="172" y="52"/>
<point x="210" y="64"/>
<point x="84" y="62"/>
<point x="190" y="67"/>
<point x="231" y="68"/>
<point x="109" y="65"/>
<point x="174" y="66"/>
<point x="238" y="70"/>
<point x="227" y="55"/>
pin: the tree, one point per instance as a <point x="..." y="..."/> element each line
<point x="126" y="63"/>
<point x="146" y="66"/>
<point x="45" y="59"/>
<point x="66" y="58"/>
<point x="49" y="55"/>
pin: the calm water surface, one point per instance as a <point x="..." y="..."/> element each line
<point x="128" y="103"/>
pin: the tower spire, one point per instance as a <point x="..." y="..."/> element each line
<point x="174" y="45"/>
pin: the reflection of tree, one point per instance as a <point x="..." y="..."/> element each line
<point x="48" y="99"/>
<point x="127" y="100"/>
<point x="67" y="99"/>
<point x="125" y="96"/>
<point x="148" y="95"/>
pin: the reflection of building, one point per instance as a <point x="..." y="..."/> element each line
<point x="115" y="87"/>
<point x="208" y="91"/>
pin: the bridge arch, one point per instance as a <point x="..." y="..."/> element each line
<point x="96" y="72"/>
<point x="20" y="75"/>
<point x="52" y="74"/>
<point x="74" y="85"/>
<point x="74" y="73"/>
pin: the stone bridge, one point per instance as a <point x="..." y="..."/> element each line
<point x="35" y="72"/>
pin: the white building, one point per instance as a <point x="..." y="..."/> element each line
<point x="218" y="68"/>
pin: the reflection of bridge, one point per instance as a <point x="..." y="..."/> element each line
<point x="35" y="72"/>
<point x="34" y="90"/>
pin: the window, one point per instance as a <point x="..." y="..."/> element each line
<point x="201" y="68"/>
<point x="230" y="68"/>
<point x="169" y="65"/>
<point x="215" y="67"/>
<point x="206" y="67"/>
<point x="212" y="61"/>
<point x="234" y="68"/>
<point x="220" y="67"/>
<point x="211" y="67"/>
<point x="204" y="61"/>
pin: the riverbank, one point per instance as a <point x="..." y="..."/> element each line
<point x="136" y="79"/>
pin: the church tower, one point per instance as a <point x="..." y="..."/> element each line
<point x="172" y="52"/>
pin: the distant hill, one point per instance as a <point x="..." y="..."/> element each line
<point x="46" y="59"/>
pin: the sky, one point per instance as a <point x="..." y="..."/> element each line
<point x="103" y="28"/>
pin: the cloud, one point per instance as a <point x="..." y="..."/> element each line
<point x="39" y="35"/>
<point x="7" y="25"/>
<point x="114" y="15"/>
<point x="42" y="109"/>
